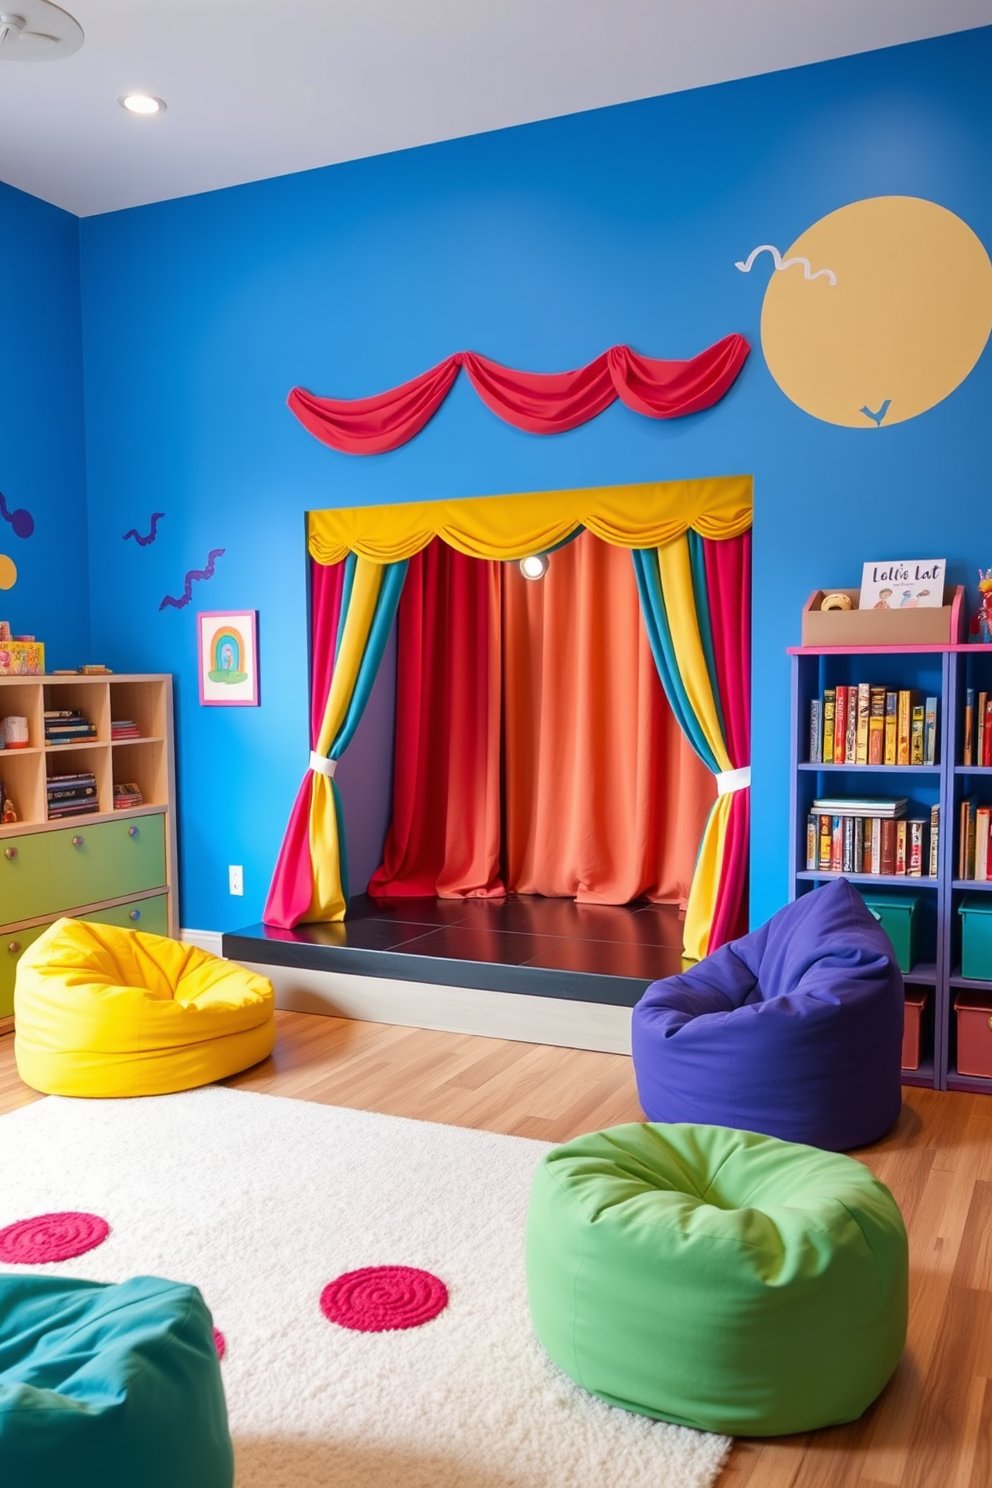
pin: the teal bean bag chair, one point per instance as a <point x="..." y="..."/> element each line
<point x="109" y="1386"/>
<point x="717" y="1278"/>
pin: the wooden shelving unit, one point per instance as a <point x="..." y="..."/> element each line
<point x="947" y="672"/>
<point x="120" y="865"/>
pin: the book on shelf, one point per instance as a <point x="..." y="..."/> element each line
<point x="892" y="806"/>
<point x="843" y="842"/>
<point x="967" y="752"/>
<point x="980" y="725"/>
<point x="975" y="842"/>
<point x="868" y="724"/>
<point x="124" y="728"/>
<point x="986" y="759"/>
<point x="127" y="794"/>
<point x="934" y="840"/>
<point x="916" y="829"/>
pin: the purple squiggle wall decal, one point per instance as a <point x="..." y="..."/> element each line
<point x="144" y="541"/>
<point x="193" y="575"/>
<point x="21" y="520"/>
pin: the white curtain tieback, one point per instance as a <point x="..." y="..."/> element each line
<point x="323" y="765"/>
<point x="733" y="780"/>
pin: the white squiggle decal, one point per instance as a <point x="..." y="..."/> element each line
<point x="780" y="264"/>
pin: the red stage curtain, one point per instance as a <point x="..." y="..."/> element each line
<point x="604" y="799"/>
<point x="728" y="584"/>
<point x="541" y="403"/>
<point x="445" y="833"/>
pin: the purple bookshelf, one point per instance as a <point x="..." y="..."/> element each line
<point x="945" y="672"/>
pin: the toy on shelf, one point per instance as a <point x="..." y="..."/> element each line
<point x="9" y="815"/>
<point x="981" y="622"/>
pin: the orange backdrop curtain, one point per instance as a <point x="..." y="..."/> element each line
<point x="602" y="798"/>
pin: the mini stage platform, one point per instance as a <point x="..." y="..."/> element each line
<point x="593" y="953"/>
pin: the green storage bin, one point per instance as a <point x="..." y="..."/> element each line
<point x="899" y="917"/>
<point x="976" y="937"/>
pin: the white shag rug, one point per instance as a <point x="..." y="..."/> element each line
<point x="260" y="1201"/>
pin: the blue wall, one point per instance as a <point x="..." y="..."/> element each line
<point x="539" y="246"/>
<point x="42" y="467"/>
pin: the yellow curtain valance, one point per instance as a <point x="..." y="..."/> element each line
<point x="510" y="527"/>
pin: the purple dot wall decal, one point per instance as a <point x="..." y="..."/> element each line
<point x="21" y="520"/>
<point x="381" y="1299"/>
<point x="51" y="1237"/>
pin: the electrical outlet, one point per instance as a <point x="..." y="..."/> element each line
<point x="236" y="878"/>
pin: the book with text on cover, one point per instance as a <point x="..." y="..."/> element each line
<point x="903" y="584"/>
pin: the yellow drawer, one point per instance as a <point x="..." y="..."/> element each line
<point x="105" y="861"/>
<point x="12" y="945"/>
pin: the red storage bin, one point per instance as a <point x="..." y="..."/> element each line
<point x="912" y="1033"/>
<point x="974" y="1015"/>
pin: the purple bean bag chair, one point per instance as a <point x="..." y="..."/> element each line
<point x="794" y="1030"/>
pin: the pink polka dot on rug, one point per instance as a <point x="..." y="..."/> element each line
<point x="379" y="1299"/>
<point x="51" y="1237"/>
<point x="220" y="1343"/>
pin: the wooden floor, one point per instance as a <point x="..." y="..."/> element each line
<point x="932" y="1427"/>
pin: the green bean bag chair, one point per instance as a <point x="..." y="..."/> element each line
<point x="109" y="1386"/>
<point x="717" y="1278"/>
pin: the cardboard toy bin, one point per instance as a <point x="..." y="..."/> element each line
<point x="941" y="626"/>
<point x="912" y="1032"/>
<point x="976" y="937"/>
<point x="899" y="916"/>
<point x="974" y="1014"/>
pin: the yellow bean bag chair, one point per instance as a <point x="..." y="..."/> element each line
<point x="103" y="1011"/>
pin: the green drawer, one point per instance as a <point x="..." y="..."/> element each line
<point x="976" y="937"/>
<point x="25" y="886"/>
<point x="106" y="860"/>
<point x="151" y="915"/>
<point x="11" y="946"/>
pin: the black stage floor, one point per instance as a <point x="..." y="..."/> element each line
<point x="543" y="947"/>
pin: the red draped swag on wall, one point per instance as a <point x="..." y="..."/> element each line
<point x="538" y="402"/>
<point x="600" y="797"/>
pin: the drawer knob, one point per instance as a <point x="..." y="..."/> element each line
<point x="10" y="853"/>
<point x="135" y="914"/>
<point x="132" y="831"/>
<point x="77" y="841"/>
<point x="14" y="947"/>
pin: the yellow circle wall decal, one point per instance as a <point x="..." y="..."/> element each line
<point x="901" y="327"/>
<point x="8" y="572"/>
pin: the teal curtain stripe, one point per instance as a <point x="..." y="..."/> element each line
<point x="342" y="842"/>
<point x="350" y="564"/>
<point x="660" y="638"/>
<point x="382" y="623"/>
<point x="701" y="599"/>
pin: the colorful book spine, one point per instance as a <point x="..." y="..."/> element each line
<point x="859" y="844"/>
<point x="987" y="737"/>
<point x="829" y="707"/>
<point x="915" y="830"/>
<point x="812" y="842"/>
<point x="901" y="848"/>
<point x="982" y="817"/>
<point x="876" y="845"/>
<point x="815" y="732"/>
<point x="934" y="841"/>
<point x="930" y="732"/>
<point x="876" y="726"/>
<point x="840" y="727"/>
<point x="851" y="743"/>
<point x="891" y="727"/>
<point x="825" y="843"/>
<point x="887" y="855"/>
<point x="837" y="844"/>
<point x="903" y="728"/>
<point x="864" y="715"/>
<point x="916" y="731"/>
<point x="848" y="863"/>
<point x="968" y="752"/>
<point x="980" y="727"/>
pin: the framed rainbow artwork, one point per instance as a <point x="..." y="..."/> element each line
<point x="227" y="651"/>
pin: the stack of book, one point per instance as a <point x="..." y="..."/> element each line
<point x="67" y="726"/>
<point x="124" y="728"/>
<point x="975" y="842"/>
<point x="868" y="725"/>
<point x="871" y="835"/>
<point x="977" y="728"/>
<point x="127" y="794"/>
<point x="71" y="795"/>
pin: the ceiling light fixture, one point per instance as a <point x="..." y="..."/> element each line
<point x="37" y="31"/>
<point x="142" y="103"/>
<point x="535" y="566"/>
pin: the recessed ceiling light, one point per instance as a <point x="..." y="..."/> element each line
<point x="535" y="566"/>
<point x="142" y="103"/>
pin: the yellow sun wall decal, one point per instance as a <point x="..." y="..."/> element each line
<point x="902" y="326"/>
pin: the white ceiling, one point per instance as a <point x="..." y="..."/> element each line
<point x="260" y="88"/>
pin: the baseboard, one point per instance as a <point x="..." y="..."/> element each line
<point x="505" y="1015"/>
<point x="207" y="940"/>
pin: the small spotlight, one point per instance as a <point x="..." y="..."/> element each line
<point x="141" y="103"/>
<point x="535" y="566"/>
